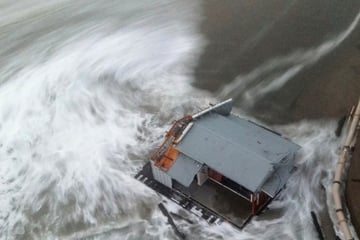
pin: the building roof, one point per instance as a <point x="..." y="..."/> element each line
<point x="184" y="169"/>
<point x="239" y="149"/>
<point x="279" y="177"/>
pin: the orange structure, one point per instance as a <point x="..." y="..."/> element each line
<point x="168" y="158"/>
<point x="166" y="153"/>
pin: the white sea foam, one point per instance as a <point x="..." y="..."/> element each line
<point x="75" y="127"/>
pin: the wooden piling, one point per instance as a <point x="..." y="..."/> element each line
<point x="339" y="172"/>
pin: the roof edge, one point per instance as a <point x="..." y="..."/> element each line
<point x="222" y="108"/>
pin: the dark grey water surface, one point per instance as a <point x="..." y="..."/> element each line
<point x="243" y="35"/>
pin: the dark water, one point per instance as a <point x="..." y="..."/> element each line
<point x="269" y="38"/>
<point x="89" y="87"/>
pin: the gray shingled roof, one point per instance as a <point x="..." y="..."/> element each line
<point x="239" y="149"/>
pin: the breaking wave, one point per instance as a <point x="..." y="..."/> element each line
<point x="76" y="126"/>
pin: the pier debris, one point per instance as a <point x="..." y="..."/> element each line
<point x="171" y="221"/>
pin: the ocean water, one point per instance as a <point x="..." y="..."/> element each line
<point x="87" y="91"/>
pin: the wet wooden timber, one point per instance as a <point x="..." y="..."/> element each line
<point x="344" y="157"/>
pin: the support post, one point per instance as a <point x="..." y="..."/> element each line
<point x="339" y="170"/>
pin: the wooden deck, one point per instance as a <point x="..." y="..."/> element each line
<point x="223" y="201"/>
<point x="210" y="201"/>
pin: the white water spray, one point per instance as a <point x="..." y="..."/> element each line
<point x="75" y="127"/>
